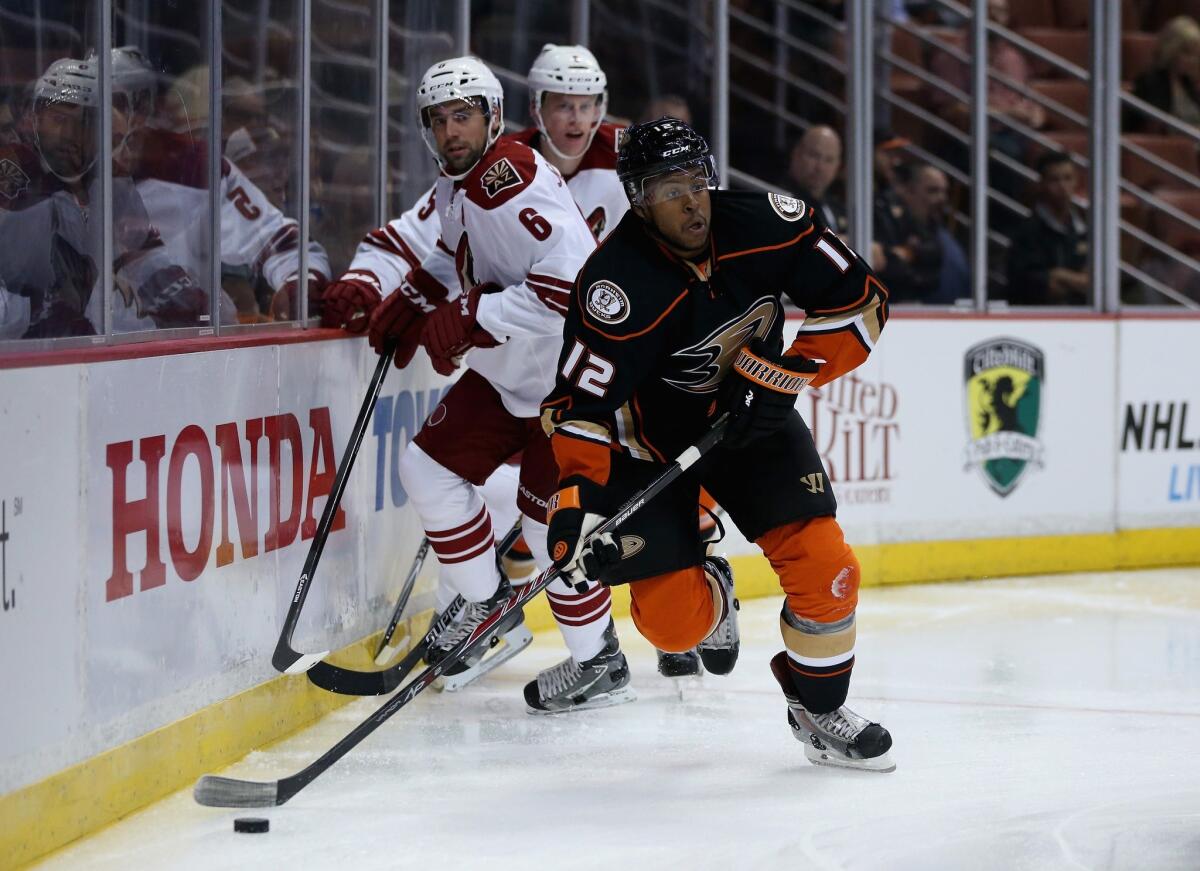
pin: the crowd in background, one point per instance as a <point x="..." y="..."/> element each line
<point x="787" y="136"/>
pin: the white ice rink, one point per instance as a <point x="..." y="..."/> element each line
<point x="1039" y="723"/>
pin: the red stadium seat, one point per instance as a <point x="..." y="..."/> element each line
<point x="1032" y="13"/>
<point x="1176" y="150"/>
<point x="1172" y="231"/>
<point x="1137" y="54"/>
<point x="1071" y="94"/>
<point x="1070" y="45"/>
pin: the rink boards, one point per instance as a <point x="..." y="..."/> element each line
<point x="157" y="510"/>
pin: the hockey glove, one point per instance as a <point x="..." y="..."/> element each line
<point x="348" y="304"/>
<point x="284" y="306"/>
<point x="400" y="317"/>
<point x="571" y="518"/>
<point x="760" y="391"/>
<point x="452" y="329"/>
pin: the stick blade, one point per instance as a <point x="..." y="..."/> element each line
<point x="391" y="650"/>
<point x="213" y="791"/>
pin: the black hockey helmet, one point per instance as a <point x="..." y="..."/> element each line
<point x="657" y="147"/>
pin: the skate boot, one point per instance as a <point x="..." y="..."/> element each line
<point x="599" y="682"/>
<point x="686" y="664"/>
<point x="508" y="638"/>
<point x="841" y="737"/>
<point x="719" y="651"/>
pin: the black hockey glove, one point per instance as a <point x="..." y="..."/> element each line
<point x="760" y="391"/>
<point x="572" y="515"/>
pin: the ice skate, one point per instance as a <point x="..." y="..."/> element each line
<point x="599" y="682"/>
<point x="719" y="651"/>
<point x="686" y="664"/>
<point x="509" y="638"/>
<point x="841" y="738"/>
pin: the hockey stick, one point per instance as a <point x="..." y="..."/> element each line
<point x="350" y="682"/>
<point x="286" y="659"/>
<point x="217" y="791"/>
<point x="401" y="601"/>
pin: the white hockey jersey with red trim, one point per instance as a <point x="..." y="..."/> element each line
<point x="512" y="222"/>
<point x="386" y="255"/>
<point x="594" y="185"/>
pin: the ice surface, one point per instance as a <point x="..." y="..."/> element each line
<point x="1041" y="723"/>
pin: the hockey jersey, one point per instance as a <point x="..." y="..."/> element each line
<point x="594" y="185"/>
<point x="48" y="265"/>
<point x="171" y="177"/>
<point x="649" y="337"/>
<point x="389" y="253"/>
<point x="512" y="222"/>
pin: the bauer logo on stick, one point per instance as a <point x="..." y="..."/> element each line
<point x="608" y="303"/>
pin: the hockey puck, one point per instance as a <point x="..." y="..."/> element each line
<point x="251" y="825"/>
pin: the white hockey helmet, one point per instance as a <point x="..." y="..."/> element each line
<point x="71" y="82"/>
<point x="566" y="69"/>
<point x="133" y="75"/>
<point x="68" y="82"/>
<point x="460" y="78"/>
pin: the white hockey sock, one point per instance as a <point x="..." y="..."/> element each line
<point x="456" y="523"/>
<point x="582" y="617"/>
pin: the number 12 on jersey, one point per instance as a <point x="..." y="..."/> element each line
<point x="596" y="373"/>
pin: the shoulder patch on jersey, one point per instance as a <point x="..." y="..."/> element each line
<point x="788" y="208"/>
<point x="500" y="176"/>
<point x="13" y="180"/>
<point x="607" y="303"/>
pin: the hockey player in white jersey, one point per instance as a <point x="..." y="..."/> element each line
<point x="48" y="188"/>
<point x="513" y="239"/>
<point x="568" y="97"/>
<point x="171" y="173"/>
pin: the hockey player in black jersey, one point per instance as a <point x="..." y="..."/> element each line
<point x="677" y="317"/>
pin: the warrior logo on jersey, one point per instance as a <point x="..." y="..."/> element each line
<point x="608" y="303"/>
<point x="714" y="354"/>
<point x="788" y="208"/>
<point x="13" y="180"/>
<point x="500" y="176"/>
<point x="1004" y="380"/>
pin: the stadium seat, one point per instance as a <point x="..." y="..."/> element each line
<point x="1176" y="150"/>
<point x="1071" y="45"/>
<point x="1078" y="13"/>
<point x="1172" y="231"/>
<point x="1070" y="93"/>
<point x="1032" y="13"/>
<point x="1071" y="142"/>
<point x="1137" y="54"/>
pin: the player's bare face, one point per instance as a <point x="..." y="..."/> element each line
<point x="680" y="209"/>
<point x="460" y="131"/>
<point x="66" y="138"/>
<point x="569" y="119"/>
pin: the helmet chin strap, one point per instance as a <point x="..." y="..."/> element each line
<point x="535" y="110"/>
<point x="69" y="179"/>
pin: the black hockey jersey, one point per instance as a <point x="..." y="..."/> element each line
<point x="649" y="336"/>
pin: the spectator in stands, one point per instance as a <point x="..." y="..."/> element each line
<point x="815" y="161"/>
<point x="1048" y="262"/>
<point x="671" y="105"/>
<point x="924" y="263"/>
<point x="1006" y="59"/>
<point x="1172" y="84"/>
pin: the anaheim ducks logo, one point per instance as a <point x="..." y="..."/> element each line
<point x="711" y="357"/>
<point x="501" y="175"/>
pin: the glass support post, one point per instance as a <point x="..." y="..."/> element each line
<point x="1105" y="148"/>
<point x="305" y="156"/>
<point x="383" y="13"/>
<point x="720" y="88"/>
<point x="462" y="28"/>
<point x="859" y="120"/>
<point x="979" y="153"/>
<point x="581" y="22"/>
<point x="215" y="125"/>
<point x="105" y="206"/>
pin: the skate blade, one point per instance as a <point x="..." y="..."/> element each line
<point x="604" y="700"/>
<point x="511" y="643"/>
<point x="391" y="650"/>
<point x="687" y="684"/>
<point x="881" y="764"/>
